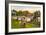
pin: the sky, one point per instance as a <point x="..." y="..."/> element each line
<point x="31" y="9"/>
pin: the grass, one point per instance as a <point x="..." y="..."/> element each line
<point x="16" y="24"/>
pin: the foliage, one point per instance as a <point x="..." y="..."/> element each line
<point x="36" y="14"/>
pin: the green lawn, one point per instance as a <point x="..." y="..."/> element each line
<point x="16" y="24"/>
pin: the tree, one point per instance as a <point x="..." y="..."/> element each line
<point x="14" y="12"/>
<point x="25" y="13"/>
<point x="19" y="13"/>
<point x="37" y="14"/>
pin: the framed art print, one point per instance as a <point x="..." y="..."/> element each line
<point x="24" y="17"/>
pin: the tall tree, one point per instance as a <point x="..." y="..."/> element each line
<point x="14" y="12"/>
<point x="37" y="14"/>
